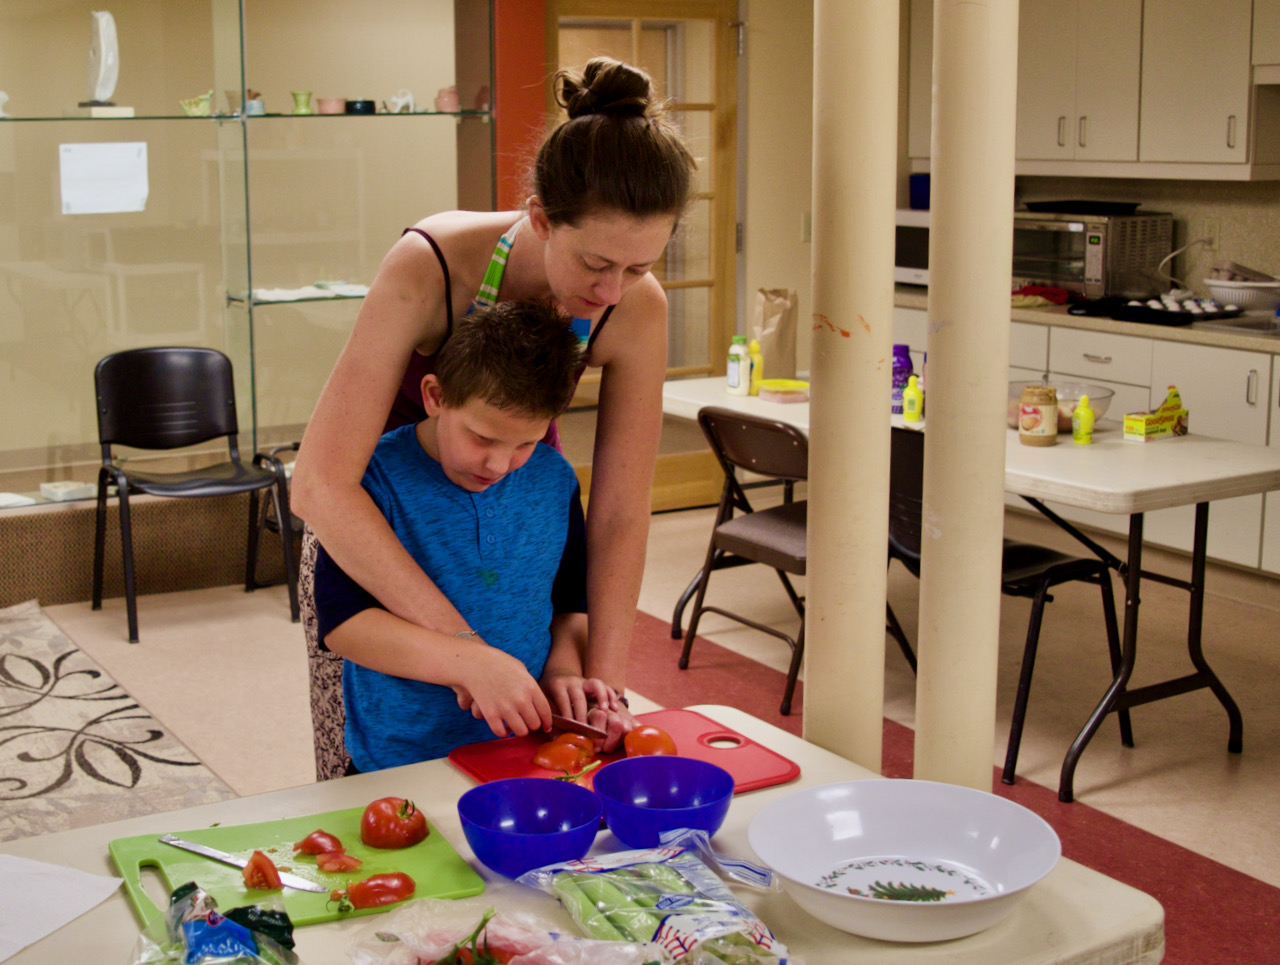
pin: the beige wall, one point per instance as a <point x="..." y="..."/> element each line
<point x="779" y="156"/>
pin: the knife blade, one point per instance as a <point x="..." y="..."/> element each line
<point x="288" y="880"/>
<point x="572" y="726"/>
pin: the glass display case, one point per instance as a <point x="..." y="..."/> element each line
<point x="253" y="233"/>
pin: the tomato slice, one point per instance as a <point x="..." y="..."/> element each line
<point x="318" y="842"/>
<point x="336" y="862"/>
<point x="561" y="756"/>
<point x="383" y="889"/>
<point x="260" y="873"/>
<point x="577" y="740"/>
<point x="392" y="822"/>
<point x="647" y="740"/>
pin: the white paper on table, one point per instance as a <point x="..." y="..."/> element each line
<point x="38" y="898"/>
<point x="103" y="178"/>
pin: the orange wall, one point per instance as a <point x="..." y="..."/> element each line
<point x="520" y="100"/>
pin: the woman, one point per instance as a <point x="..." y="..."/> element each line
<point x="610" y="184"/>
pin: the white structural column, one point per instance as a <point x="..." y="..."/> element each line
<point x="975" y="45"/>
<point x="855" y="103"/>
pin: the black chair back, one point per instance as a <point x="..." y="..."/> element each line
<point x="165" y="398"/>
<point x="906" y="493"/>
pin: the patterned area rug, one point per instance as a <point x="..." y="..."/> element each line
<point x="75" y="749"/>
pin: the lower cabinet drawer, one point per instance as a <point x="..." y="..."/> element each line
<point x="1100" y="355"/>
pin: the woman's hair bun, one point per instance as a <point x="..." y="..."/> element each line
<point x="604" y="86"/>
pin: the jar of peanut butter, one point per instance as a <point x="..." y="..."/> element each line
<point x="1038" y="416"/>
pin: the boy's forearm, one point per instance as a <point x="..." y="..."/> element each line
<point x="382" y="641"/>
<point x="568" y="645"/>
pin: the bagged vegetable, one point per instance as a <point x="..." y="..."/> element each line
<point x="434" y="931"/>
<point x="194" y="932"/>
<point x="670" y="896"/>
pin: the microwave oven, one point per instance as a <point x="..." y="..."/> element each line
<point x="1090" y="256"/>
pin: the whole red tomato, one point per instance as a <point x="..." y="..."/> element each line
<point x="383" y="889"/>
<point x="392" y="822"/>
<point x="647" y="740"/>
<point x="260" y="873"/>
<point x="318" y="842"/>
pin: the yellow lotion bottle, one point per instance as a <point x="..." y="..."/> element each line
<point x="1082" y="423"/>
<point x="912" y="400"/>
<point x="757" y="365"/>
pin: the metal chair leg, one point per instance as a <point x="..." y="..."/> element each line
<point x="1024" y="684"/>
<point x="256" y="517"/>
<point x="793" y="672"/>
<point x="100" y="539"/>
<point x="126" y="545"/>
<point x="280" y="497"/>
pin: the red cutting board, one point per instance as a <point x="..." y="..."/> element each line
<point x="437" y="869"/>
<point x="696" y="735"/>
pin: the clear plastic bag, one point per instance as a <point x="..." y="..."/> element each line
<point x="430" y="930"/>
<point x="194" y="932"/>
<point x="668" y="895"/>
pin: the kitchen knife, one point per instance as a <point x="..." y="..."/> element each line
<point x="571" y="726"/>
<point x="286" y="879"/>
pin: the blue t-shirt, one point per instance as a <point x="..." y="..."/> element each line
<point x="508" y="559"/>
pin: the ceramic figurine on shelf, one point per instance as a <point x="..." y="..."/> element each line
<point x="301" y="101"/>
<point x="401" y="103"/>
<point x="4" y="99"/>
<point x="104" y="59"/>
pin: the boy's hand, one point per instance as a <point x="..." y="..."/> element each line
<point x="499" y="690"/>
<point x="592" y="701"/>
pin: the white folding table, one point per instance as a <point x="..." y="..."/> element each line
<point x="1110" y="476"/>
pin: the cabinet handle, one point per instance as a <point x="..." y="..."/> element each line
<point x="1231" y="131"/>
<point x="1100" y="359"/>
<point x="1062" y="130"/>
<point x="1080" y="138"/>
<point x="1251" y="388"/>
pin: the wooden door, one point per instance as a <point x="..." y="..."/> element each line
<point x="689" y="48"/>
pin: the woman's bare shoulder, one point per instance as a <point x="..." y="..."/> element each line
<point x="468" y="232"/>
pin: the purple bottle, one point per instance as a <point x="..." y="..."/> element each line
<point x="902" y="370"/>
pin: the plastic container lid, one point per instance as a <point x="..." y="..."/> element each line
<point x="739" y="340"/>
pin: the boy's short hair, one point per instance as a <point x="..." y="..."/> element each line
<point x="518" y="355"/>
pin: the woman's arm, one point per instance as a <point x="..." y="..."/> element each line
<point x="404" y="310"/>
<point x="632" y="352"/>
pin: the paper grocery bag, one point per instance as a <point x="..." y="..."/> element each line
<point x="773" y="325"/>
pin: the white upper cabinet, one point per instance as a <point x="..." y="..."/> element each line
<point x="1266" y="32"/>
<point x="1079" y="63"/>
<point x="1195" y="80"/>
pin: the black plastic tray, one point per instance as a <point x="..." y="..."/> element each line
<point x="1084" y="207"/>
<point x="1121" y="311"/>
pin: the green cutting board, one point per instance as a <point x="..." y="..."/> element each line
<point x="436" y="868"/>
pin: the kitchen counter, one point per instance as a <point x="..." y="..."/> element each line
<point x="914" y="296"/>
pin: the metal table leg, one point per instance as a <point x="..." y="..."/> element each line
<point x="1117" y="697"/>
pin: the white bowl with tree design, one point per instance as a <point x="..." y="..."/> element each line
<point x="904" y="860"/>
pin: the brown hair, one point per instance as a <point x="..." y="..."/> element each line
<point x="618" y="151"/>
<point x="517" y="355"/>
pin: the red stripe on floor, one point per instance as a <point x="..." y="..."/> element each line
<point x="1213" y="913"/>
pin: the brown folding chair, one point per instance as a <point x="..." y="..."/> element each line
<point x="1027" y="569"/>
<point x="774" y="536"/>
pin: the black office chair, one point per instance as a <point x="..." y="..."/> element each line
<point x="163" y="399"/>
<point x="1027" y="570"/>
<point x="269" y="522"/>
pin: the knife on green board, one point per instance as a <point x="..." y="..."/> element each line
<point x="286" y="879"/>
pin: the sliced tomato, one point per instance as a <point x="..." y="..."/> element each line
<point x="561" y="756"/>
<point x="336" y="862"/>
<point x="392" y="822"/>
<point x="318" y="842"/>
<point x="576" y="740"/>
<point x="383" y="889"/>
<point x="647" y="740"/>
<point x="260" y="873"/>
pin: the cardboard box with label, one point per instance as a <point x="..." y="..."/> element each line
<point x="1165" y="422"/>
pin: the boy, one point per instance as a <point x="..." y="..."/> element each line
<point x="494" y="517"/>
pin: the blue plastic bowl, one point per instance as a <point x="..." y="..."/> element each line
<point x="645" y="796"/>
<point x="522" y="823"/>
